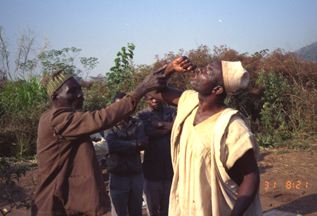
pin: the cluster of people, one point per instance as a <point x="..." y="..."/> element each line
<point x="148" y="131"/>
<point x="199" y="159"/>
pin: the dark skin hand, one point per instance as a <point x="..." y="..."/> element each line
<point x="150" y="82"/>
<point x="179" y="65"/>
<point x="246" y="174"/>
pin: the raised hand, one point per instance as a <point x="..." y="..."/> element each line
<point x="151" y="82"/>
<point x="180" y="65"/>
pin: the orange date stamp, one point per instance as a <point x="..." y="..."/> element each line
<point x="286" y="185"/>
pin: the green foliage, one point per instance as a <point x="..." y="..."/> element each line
<point x="52" y="60"/>
<point x="21" y="103"/>
<point x="303" y="115"/>
<point x="280" y="103"/>
<point x="121" y="75"/>
<point x="96" y="96"/>
<point x="275" y="110"/>
<point x="88" y="63"/>
<point x="19" y="95"/>
<point x="66" y="59"/>
<point x="10" y="174"/>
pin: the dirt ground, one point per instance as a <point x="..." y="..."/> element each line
<point x="288" y="183"/>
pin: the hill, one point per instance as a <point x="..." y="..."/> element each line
<point x="308" y="52"/>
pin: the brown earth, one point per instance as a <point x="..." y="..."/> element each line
<point x="289" y="180"/>
<point x="288" y="183"/>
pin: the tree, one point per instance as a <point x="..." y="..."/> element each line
<point x="4" y="58"/>
<point x="24" y="64"/>
<point x="30" y="61"/>
<point x="67" y="59"/>
<point x="121" y="75"/>
<point x="25" y="61"/>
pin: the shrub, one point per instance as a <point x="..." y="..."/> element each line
<point x="22" y="103"/>
<point x="274" y="118"/>
<point x="96" y="96"/>
<point x="121" y="75"/>
<point x="10" y="174"/>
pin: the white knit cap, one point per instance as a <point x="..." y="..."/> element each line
<point x="235" y="77"/>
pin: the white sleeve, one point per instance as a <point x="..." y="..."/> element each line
<point x="238" y="141"/>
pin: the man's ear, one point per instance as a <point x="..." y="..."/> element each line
<point x="218" y="90"/>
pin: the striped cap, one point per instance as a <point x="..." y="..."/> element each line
<point x="56" y="80"/>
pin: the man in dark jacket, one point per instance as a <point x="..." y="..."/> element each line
<point x="125" y="140"/>
<point x="157" y="165"/>
<point x="70" y="181"/>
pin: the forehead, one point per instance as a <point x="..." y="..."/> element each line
<point x="72" y="83"/>
<point x="212" y="68"/>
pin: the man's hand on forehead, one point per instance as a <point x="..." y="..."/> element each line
<point x="180" y="65"/>
<point x="183" y="64"/>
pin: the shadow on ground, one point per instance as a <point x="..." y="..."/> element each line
<point x="304" y="205"/>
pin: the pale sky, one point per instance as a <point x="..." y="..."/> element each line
<point x="101" y="27"/>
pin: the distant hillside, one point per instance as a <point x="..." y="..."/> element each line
<point x="308" y="52"/>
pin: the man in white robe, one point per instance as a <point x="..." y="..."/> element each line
<point x="213" y="150"/>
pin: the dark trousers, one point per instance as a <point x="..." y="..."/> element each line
<point x="157" y="196"/>
<point x="126" y="195"/>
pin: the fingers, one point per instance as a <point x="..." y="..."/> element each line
<point x="185" y="63"/>
<point x="181" y="59"/>
<point x="188" y="66"/>
<point x="191" y="67"/>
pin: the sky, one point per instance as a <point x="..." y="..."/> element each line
<point x="101" y="27"/>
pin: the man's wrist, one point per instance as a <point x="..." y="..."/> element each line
<point x="137" y="94"/>
<point x="169" y="70"/>
<point x="135" y="97"/>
